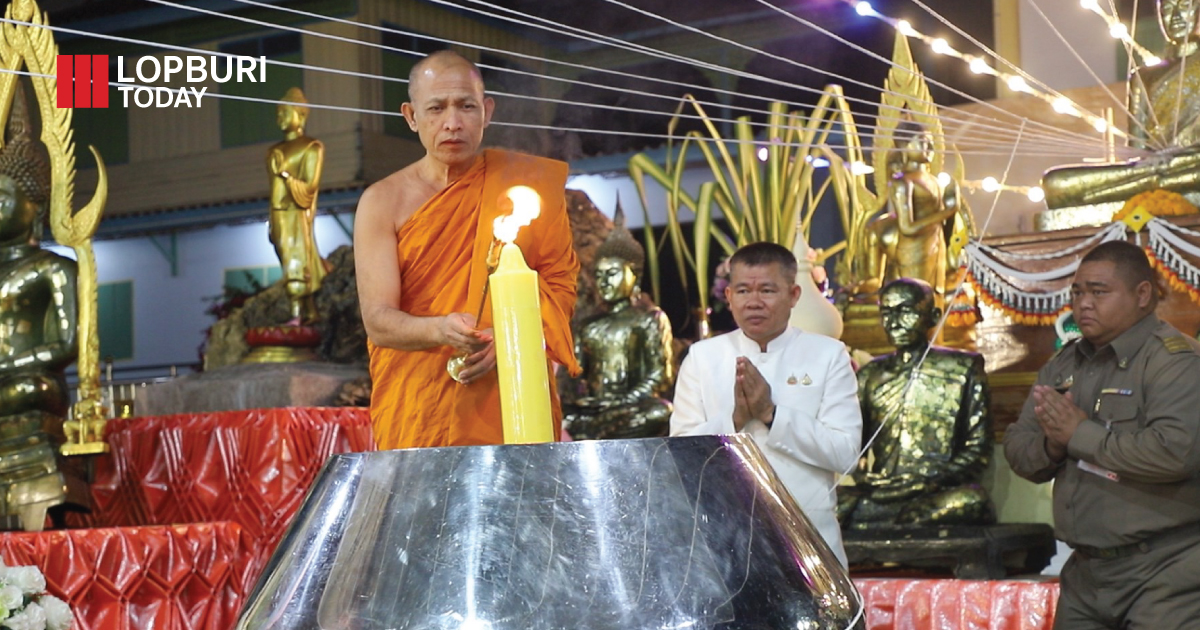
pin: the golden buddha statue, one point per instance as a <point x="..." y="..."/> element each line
<point x="295" y="169"/>
<point x="1164" y="101"/>
<point x="38" y="311"/>
<point x="925" y="465"/>
<point x="909" y="239"/>
<point x="625" y="352"/>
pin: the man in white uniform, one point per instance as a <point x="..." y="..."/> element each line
<point x="794" y="392"/>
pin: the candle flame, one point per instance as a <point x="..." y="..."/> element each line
<point x="527" y="205"/>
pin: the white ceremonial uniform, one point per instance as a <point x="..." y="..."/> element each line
<point x="817" y="429"/>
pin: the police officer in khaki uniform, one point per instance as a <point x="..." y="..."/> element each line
<point x="1114" y="420"/>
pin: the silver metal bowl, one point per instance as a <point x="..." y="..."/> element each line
<point x="663" y="533"/>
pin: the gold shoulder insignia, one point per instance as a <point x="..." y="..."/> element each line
<point x="1177" y="344"/>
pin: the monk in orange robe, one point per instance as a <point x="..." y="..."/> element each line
<point x="421" y="238"/>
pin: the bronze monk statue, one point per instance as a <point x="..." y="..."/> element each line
<point x="625" y="352"/>
<point x="909" y="239"/>
<point x="925" y="465"/>
<point x="38" y="311"/>
<point x="1165" y="104"/>
<point x="295" y="169"/>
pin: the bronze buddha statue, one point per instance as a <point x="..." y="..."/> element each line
<point x="295" y="169"/>
<point x="38" y="338"/>
<point x="926" y="463"/>
<point x="625" y="352"/>
<point x="1164" y="101"/>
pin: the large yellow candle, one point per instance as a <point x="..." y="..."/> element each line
<point x="520" y="351"/>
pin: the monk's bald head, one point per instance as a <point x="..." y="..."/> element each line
<point x="438" y="62"/>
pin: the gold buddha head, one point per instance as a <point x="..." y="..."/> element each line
<point x="908" y="311"/>
<point x="292" y="113"/>
<point x="1179" y="20"/>
<point x="619" y="261"/>
<point x="913" y="143"/>
<point x="24" y="178"/>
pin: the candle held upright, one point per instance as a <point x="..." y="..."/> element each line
<point x="520" y="351"/>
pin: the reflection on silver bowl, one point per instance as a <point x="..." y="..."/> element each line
<point x="618" y="534"/>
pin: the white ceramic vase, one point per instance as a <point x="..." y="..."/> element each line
<point x="812" y="313"/>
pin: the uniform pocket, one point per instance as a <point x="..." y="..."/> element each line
<point x="1119" y="412"/>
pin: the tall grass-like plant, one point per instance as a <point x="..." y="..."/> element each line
<point x="761" y="200"/>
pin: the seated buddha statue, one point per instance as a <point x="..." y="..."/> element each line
<point x="934" y="427"/>
<point x="37" y="329"/>
<point x="625" y="352"/>
<point x="1165" y="117"/>
<point x="908" y="240"/>
<point x="294" y="166"/>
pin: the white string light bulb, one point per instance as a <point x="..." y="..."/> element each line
<point x="1036" y="194"/>
<point x="990" y="184"/>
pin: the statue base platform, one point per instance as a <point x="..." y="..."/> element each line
<point x="249" y="386"/>
<point x="969" y="552"/>
<point x="282" y="344"/>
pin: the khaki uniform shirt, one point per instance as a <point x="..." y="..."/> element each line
<point x="1131" y="467"/>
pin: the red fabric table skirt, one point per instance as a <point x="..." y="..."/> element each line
<point x="900" y="604"/>
<point x="252" y="467"/>
<point x="186" y="577"/>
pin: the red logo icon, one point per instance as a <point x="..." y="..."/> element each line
<point x="82" y="81"/>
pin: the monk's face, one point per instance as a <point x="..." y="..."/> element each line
<point x="615" y="279"/>
<point x="907" y="315"/>
<point x="448" y="110"/>
<point x="1178" y="19"/>
<point x="761" y="298"/>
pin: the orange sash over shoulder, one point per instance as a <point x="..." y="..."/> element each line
<point x="442" y="251"/>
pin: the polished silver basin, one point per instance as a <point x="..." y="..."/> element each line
<point x="663" y="533"/>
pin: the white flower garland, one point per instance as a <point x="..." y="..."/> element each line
<point x="1167" y="245"/>
<point x="998" y="279"/>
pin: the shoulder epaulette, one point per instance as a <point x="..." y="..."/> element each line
<point x="1177" y="344"/>
<point x="1069" y="344"/>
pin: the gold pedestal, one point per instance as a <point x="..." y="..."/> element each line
<point x="862" y="329"/>
<point x="1079" y="216"/>
<point x="282" y="344"/>
<point x="90" y="448"/>
<point x="279" y="354"/>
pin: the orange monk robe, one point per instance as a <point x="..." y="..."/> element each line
<point x="442" y="253"/>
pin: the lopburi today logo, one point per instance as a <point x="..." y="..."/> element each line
<point x="83" y="80"/>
